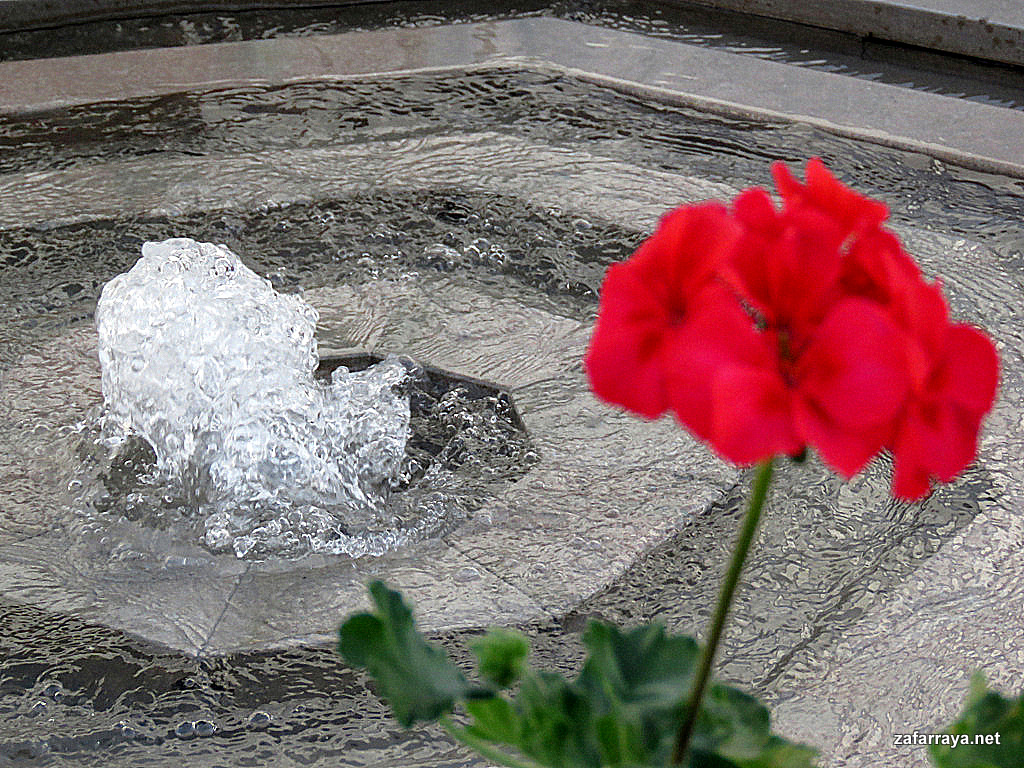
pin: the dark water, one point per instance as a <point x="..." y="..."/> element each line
<point x="81" y="189"/>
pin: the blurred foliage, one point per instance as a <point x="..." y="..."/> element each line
<point x="623" y="709"/>
<point x="989" y="733"/>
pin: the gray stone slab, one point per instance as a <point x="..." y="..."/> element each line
<point x="27" y="481"/>
<point x="950" y="129"/>
<point x="985" y="29"/>
<point x="478" y="333"/>
<point x="442" y="322"/>
<point x="906" y="666"/>
<point x="955" y="130"/>
<point x="37" y="464"/>
<point x="563" y="177"/>
<point x="580" y="518"/>
<point x="599" y="523"/>
<point x="174" y="605"/>
<point x="610" y="491"/>
<point x="305" y="604"/>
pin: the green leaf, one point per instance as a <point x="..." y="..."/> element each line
<point x="622" y="711"/>
<point x="642" y="666"/>
<point x="988" y="717"/>
<point x="553" y="719"/>
<point x="637" y="679"/>
<point x="627" y="703"/>
<point x="502" y="654"/>
<point x="736" y="727"/>
<point x="493" y="720"/>
<point x="617" y="741"/>
<point x="734" y="724"/>
<point x="417" y="680"/>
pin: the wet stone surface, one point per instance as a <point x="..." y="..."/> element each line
<point x="859" y="616"/>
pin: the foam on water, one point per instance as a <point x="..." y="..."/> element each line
<point x="211" y="366"/>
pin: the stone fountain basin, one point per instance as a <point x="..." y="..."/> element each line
<point x="574" y="522"/>
<point x="899" y="662"/>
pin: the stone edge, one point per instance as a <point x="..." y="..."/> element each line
<point x="972" y="135"/>
<point x="983" y="29"/>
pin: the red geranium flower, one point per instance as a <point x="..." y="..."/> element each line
<point x="667" y="325"/>
<point x="953" y="369"/>
<point x="767" y="330"/>
<point x="849" y="211"/>
<point x="837" y="365"/>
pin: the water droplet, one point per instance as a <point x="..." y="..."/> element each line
<point x="53" y="692"/>
<point x="127" y="730"/>
<point x="259" y="720"/>
<point x="204" y="728"/>
<point x="186" y="730"/>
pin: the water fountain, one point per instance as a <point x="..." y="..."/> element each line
<point x="204" y="362"/>
<point x="463" y="224"/>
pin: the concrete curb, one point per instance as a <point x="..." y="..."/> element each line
<point x="985" y="29"/>
<point x="972" y="135"/>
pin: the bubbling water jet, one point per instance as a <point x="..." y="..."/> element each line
<point x="213" y="368"/>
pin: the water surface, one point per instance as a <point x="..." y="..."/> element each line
<point x="521" y="187"/>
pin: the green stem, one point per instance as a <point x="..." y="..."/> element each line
<point x="725" y="595"/>
<point x="482" y="746"/>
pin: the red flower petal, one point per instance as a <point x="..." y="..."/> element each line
<point x="972" y="375"/>
<point x="938" y="434"/>
<point x="854" y="371"/>
<point x="718" y="336"/>
<point x="754" y="209"/>
<point x="845" y="451"/>
<point x="825" y="192"/>
<point x="910" y="482"/>
<point x="935" y="440"/>
<point x="752" y="419"/>
<point x="686" y="250"/>
<point x="645" y="305"/>
<point x="623" y="362"/>
<point x="878" y="268"/>
<point x="785" y="266"/>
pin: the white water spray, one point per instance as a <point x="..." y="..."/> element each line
<point x="203" y="359"/>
